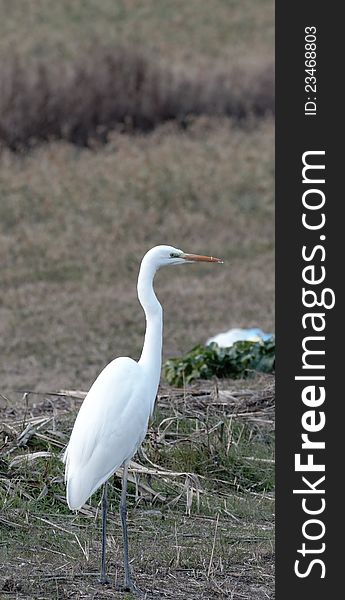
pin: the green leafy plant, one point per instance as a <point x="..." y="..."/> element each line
<point x="205" y="362"/>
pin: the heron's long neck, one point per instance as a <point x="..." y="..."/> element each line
<point x="151" y="356"/>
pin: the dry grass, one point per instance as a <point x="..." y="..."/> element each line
<point x="70" y="70"/>
<point x="190" y="34"/>
<point x="75" y="224"/>
<point x="197" y="528"/>
<point x="84" y="100"/>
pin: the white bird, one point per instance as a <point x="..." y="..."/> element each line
<point x="113" y="418"/>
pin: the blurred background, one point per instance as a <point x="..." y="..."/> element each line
<point x="124" y="125"/>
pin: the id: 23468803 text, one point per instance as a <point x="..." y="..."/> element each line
<point x="310" y="104"/>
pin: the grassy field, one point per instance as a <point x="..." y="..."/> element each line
<point x="74" y="224"/>
<point x="192" y="33"/>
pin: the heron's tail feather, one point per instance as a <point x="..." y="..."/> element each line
<point x="77" y="493"/>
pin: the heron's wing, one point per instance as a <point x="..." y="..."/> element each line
<point x="110" y="426"/>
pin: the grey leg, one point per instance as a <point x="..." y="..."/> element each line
<point x="104" y="578"/>
<point x="129" y="584"/>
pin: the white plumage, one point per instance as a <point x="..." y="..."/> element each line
<point x="115" y="415"/>
<point x="113" y="418"/>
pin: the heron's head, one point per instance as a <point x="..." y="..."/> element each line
<point x="163" y="256"/>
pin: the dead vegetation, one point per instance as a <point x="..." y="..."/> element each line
<point x="197" y="527"/>
<point x="119" y="88"/>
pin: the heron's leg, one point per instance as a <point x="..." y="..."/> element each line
<point x="129" y="584"/>
<point x="104" y="578"/>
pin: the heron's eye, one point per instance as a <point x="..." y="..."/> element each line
<point x="174" y="255"/>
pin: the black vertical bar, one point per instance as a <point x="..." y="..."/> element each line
<point x="299" y="130"/>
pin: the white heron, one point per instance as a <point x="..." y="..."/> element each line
<point x="113" y="418"/>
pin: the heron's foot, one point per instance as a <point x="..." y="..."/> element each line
<point x="104" y="580"/>
<point x="130" y="586"/>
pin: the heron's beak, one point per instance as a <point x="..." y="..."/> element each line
<point x="199" y="258"/>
